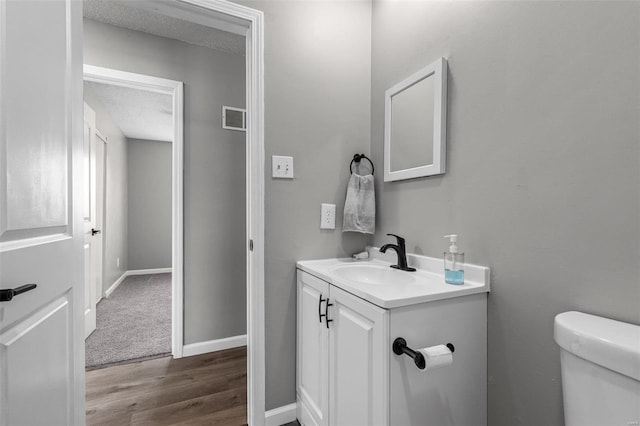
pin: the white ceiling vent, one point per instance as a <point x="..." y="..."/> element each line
<point x="234" y="118"/>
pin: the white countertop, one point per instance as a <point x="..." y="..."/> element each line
<point x="426" y="284"/>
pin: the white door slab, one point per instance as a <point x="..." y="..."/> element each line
<point x="89" y="217"/>
<point x="41" y="331"/>
<point x="99" y="239"/>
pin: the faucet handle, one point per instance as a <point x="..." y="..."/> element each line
<point x="398" y="238"/>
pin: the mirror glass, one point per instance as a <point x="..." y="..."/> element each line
<point x="415" y="124"/>
<point x="412" y="138"/>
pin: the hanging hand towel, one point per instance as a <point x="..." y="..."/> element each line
<point x="360" y="205"/>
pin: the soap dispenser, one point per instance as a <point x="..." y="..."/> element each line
<point x="453" y="263"/>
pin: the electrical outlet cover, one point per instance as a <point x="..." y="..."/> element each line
<point x="327" y="216"/>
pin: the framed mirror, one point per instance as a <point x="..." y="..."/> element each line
<point x="415" y="124"/>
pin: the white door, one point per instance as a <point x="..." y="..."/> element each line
<point x="41" y="330"/>
<point x="98" y="238"/>
<point x="312" y="351"/>
<point x="358" y="362"/>
<point x="91" y="231"/>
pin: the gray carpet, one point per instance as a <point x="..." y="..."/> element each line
<point x="134" y="322"/>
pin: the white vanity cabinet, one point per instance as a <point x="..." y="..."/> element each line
<point x="349" y="315"/>
<point x="342" y="376"/>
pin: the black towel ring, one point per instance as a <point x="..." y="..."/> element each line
<point x="357" y="158"/>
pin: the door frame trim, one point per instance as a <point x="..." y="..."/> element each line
<point x="232" y="17"/>
<point x="174" y="89"/>
<point x="217" y="14"/>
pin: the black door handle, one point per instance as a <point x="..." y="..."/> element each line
<point x="8" y="294"/>
<point x="95" y="231"/>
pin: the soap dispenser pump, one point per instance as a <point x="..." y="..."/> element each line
<point x="453" y="262"/>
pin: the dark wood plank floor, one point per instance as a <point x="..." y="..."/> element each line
<point x="208" y="389"/>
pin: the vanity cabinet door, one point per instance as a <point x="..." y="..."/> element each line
<point x="312" y="351"/>
<point x="358" y="361"/>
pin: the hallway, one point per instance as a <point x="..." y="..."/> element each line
<point x="134" y="322"/>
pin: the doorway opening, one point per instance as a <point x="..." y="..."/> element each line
<point x="132" y="253"/>
<point x="247" y="23"/>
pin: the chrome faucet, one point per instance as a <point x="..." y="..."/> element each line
<point x="401" y="251"/>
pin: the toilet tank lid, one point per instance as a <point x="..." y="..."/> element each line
<point x="609" y="343"/>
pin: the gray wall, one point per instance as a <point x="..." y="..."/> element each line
<point x="317" y="83"/>
<point x="543" y="170"/>
<point x="149" y="212"/>
<point x="543" y="162"/>
<point x="115" y="218"/>
<point x="214" y="169"/>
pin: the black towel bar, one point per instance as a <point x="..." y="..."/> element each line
<point x="357" y="158"/>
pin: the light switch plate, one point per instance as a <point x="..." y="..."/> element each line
<point x="281" y="167"/>
<point x="327" y="216"/>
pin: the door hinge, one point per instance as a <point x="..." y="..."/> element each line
<point x="250" y="245"/>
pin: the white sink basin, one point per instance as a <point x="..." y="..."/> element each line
<point x="373" y="280"/>
<point x="373" y="274"/>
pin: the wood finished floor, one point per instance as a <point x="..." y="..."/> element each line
<point x="208" y="389"/>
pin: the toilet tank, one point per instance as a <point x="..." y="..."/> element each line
<point x="600" y="361"/>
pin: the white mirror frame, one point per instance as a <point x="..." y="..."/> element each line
<point x="438" y="71"/>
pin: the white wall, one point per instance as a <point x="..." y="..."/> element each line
<point x="214" y="169"/>
<point x="116" y="205"/>
<point x="149" y="201"/>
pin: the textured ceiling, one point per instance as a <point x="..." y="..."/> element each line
<point x="118" y="13"/>
<point x="140" y="114"/>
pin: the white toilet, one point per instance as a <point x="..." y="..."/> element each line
<point x="600" y="360"/>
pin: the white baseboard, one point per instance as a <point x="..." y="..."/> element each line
<point x="149" y="271"/>
<point x="115" y="285"/>
<point x="214" y="345"/>
<point x="126" y="274"/>
<point x="281" y="415"/>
